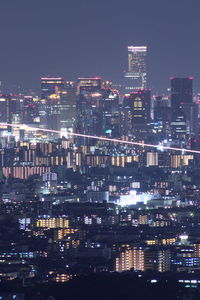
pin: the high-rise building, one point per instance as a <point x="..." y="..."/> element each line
<point x="152" y="158"/>
<point x="130" y="259"/>
<point x="49" y="105"/>
<point x="4" y="109"/>
<point x="51" y="85"/>
<point x="143" y="259"/>
<point x="49" y="183"/>
<point x="197" y="250"/>
<point x="182" y="106"/>
<point x="97" y="108"/>
<point x="136" y="76"/>
<point x="30" y="110"/>
<point x="89" y="108"/>
<point x="68" y="99"/>
<point x="89" y="84"/>
<point x="137" y="112"/>
<point x="161" y="116"/>
<point x="58" y="105"/>
<point x="164" y="260"/>
<point x="10" y="106"/>
<point x="51" y="109"/>
<point x="181" y="91"/>
<point x="110" y="113"/>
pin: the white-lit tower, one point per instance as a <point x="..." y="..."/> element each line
<point x="136" y="76"/>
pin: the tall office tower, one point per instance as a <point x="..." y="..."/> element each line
<point x="3" y="109"/>
<point x="14" y="107"/>
<point x="10" y="112"/>
<point x="137" y="113"/>
<point x="89" y="84"/>
<point x="136" y="76"/>
<point x="89" y="108"/>
<point x="58" y="110"/>
<point x="67" y="107"/>
<point x="49" y="111"/>
<point x="196" y="123"/>
<point x="10" y="106"/>
<point x="161" y="116"/>
<point x="110" y="112"/>
<point x="182" y="106"/>
<point x="51" y="85"/>
<point x="30" y="110"/>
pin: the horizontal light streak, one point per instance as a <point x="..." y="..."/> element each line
<point x="101" y="138"/>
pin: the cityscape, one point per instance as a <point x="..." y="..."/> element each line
<point x="100" y="186"/>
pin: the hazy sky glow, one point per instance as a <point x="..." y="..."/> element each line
<point x="75" y="38"/>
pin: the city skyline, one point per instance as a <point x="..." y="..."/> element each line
<point x="99" y="150"/>
<point x="34" y="45"/>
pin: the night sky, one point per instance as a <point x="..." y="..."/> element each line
<point x="75" y="38"/>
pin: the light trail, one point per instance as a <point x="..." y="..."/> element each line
<point x="101" y="138"/>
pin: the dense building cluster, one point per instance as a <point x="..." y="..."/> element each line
<point x="71" y="205"/>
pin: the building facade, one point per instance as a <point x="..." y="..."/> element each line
<point x="136" y="76"/>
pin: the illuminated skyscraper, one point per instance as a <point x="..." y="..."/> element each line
<point x="137" y="112"/>
<point x="89" y="84"/>
<point x="161" y="116"/>
<point x="136" y="76"/>
<point x="51" y="103"/>
<point x="51" y="85"/>
<point x="10" y="106"/>
<point x="89" y="107"/>
<point x="97" y="108"/>
<point x="67" y="107"/>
